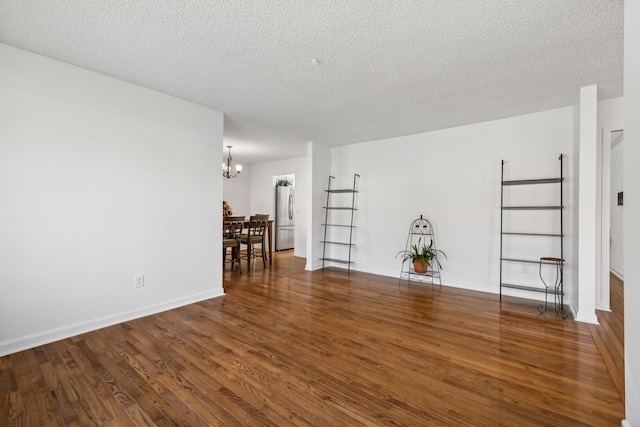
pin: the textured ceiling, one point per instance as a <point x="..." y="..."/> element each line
<point x="384" y="68"/>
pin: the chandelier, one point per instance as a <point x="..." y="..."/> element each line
<point x="226" y="167"/>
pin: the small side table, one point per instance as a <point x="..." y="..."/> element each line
<point x="557" y="288"/>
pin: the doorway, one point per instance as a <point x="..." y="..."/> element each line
<point x="612" y="200"/>
<point x="609" y="334"/>
<point x="285" y="212"/>
<point x="616" y="262"/>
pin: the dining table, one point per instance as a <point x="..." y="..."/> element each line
<point x="269" y="235"/>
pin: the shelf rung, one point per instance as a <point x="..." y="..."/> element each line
<point x="532" y="208"/>
<point x="529" y="288"/>
<point x="527" y="260"/>
<point x="345" y="190"/>
<point x="341" y="261"/>
<point x="339" y="208"/>
<point x="429" y="273"/>
<point x="337" y="243"/>
<point x="339" y="225"/>
<point x="420" y="278"/>
<point x="533" y="181"/>
<point x="534" y="234"/>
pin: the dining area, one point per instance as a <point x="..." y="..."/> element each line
<point x="245" y="240"/>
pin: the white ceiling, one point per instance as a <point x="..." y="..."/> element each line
<point x="384" y="67"/>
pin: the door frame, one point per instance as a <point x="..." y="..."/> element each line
<point x="605" y="220"/>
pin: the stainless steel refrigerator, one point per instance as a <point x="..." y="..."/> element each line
<point x="285" y="218"/>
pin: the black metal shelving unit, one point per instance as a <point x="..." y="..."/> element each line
<point x="327" y="225"/>
<point x="557" y="289"/>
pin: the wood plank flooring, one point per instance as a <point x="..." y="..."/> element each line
<point x="609" y="334"/>
<point x="289" y="347"/>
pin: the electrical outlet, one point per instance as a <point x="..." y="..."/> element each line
<point x="525" y="268"/>
<point x="139" y="281"/>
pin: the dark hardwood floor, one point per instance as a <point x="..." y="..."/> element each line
<point x="290" y="347"/>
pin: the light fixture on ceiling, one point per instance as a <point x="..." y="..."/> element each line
<point x="226" y="168"/>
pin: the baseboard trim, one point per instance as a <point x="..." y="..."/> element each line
<point x="590" y="318"/>
<point x="616" y="273"/>
<point x="313" y="266"/>
<point x="57" y="334"/>
<point x="573" y="311"/>
<point x="632" y="397"/>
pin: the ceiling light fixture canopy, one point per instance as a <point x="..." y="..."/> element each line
<point x="226" y="168"/>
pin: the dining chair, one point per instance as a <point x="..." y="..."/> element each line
<point x="267" y="231"/>
<point x="255" y="235"/>
<point x="231" y="234"/>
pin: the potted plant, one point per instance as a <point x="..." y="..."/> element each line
<point x="283" y="182"/>
<point x="421" y="256"/>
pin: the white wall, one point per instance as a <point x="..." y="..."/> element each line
<point x="319" y="163"/>
<point x="588" y="228"/>
<point x="616" y="233"/>
<point x="452" y="177"/>
<point x="100" y="180"/>
<point x="610" y="115"/>
<point x="632" y="211"/>
<point x="572" y="287"/>
<point x="263" y="194"/>
<point x="237" y="191"/>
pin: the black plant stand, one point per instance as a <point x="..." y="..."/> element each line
<point x="420" y="232"/>
<point x="556" y="288"/>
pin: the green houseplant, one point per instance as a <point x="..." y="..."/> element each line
<point x="283" y="182"/>
<point x="422" y="256"/>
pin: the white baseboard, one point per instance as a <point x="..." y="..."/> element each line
<point x="572" y="309"/>
<point x="313" y="266"/>
<point x="587" y="318"/>
<point x="632" y="397"/>
<point x="617" y="273"/>
<point x="24" y="343"/>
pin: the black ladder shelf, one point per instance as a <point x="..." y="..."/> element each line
<point x="327" y="225"/>
<point x="557" y="289"/>
<point x="420" y="232"/>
